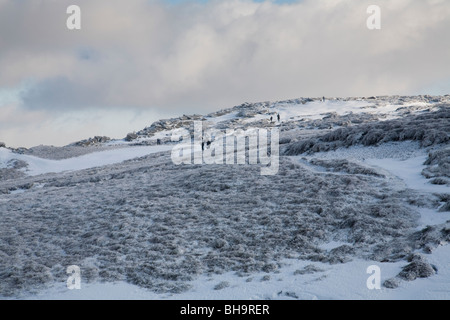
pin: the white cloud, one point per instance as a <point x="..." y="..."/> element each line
<point x="35" y="127"/>
<point x="190" y="58"/>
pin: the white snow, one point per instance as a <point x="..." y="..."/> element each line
<point x="430" y="217"/>
<point x="401" y="162"/>
<point x="315" y="110"/>
<point x="409" y="171"/>
<point x="37" y="166"/>
<point x="318" y="109"/>
<point x="332" y="244"/>
<point x="222" y="118"/>
<point x="342" y="281"/>
<point x="312" y="110"/>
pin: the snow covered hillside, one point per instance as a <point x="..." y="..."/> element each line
<point x="361" y="182"/>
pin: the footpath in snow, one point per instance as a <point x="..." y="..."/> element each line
<point x="37" y="166"/>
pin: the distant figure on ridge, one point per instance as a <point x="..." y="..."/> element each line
<point x="278" y="117"/>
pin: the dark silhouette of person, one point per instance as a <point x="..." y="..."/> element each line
<point x="278" y="117"/>
<point x="271" y="119"/>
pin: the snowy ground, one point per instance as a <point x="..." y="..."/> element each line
<point x="141" y="227"/>
<point x="345" y="281"/>
<point x="37" y="166"/>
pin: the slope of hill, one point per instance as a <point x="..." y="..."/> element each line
<point x="361" y="182"/>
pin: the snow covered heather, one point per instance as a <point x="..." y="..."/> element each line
<point x="311" y="110"/>
<point x="296" y="280"/>
<point x="141" y="227"/>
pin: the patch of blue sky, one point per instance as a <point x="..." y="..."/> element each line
<point x="9" y="95"/>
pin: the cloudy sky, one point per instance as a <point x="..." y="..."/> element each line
<point x="136" y="61"/>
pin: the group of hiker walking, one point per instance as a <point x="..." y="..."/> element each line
<point x="208" y="142"/>
<point x="278" y="118"/>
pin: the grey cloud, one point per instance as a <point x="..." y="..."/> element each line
<point x="142" y="53"/>
<point x="197" y="58"/>
<point x="60" y="93"/>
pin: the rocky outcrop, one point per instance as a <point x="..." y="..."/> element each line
<point x="418" y="267"/>
<point x="184" y="121"/>
<point x="92" y="141"/>
<point x="131" y="136"/>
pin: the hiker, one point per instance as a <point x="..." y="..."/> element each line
<point x="271" y="119"/>
<point x="278" y="117"/>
